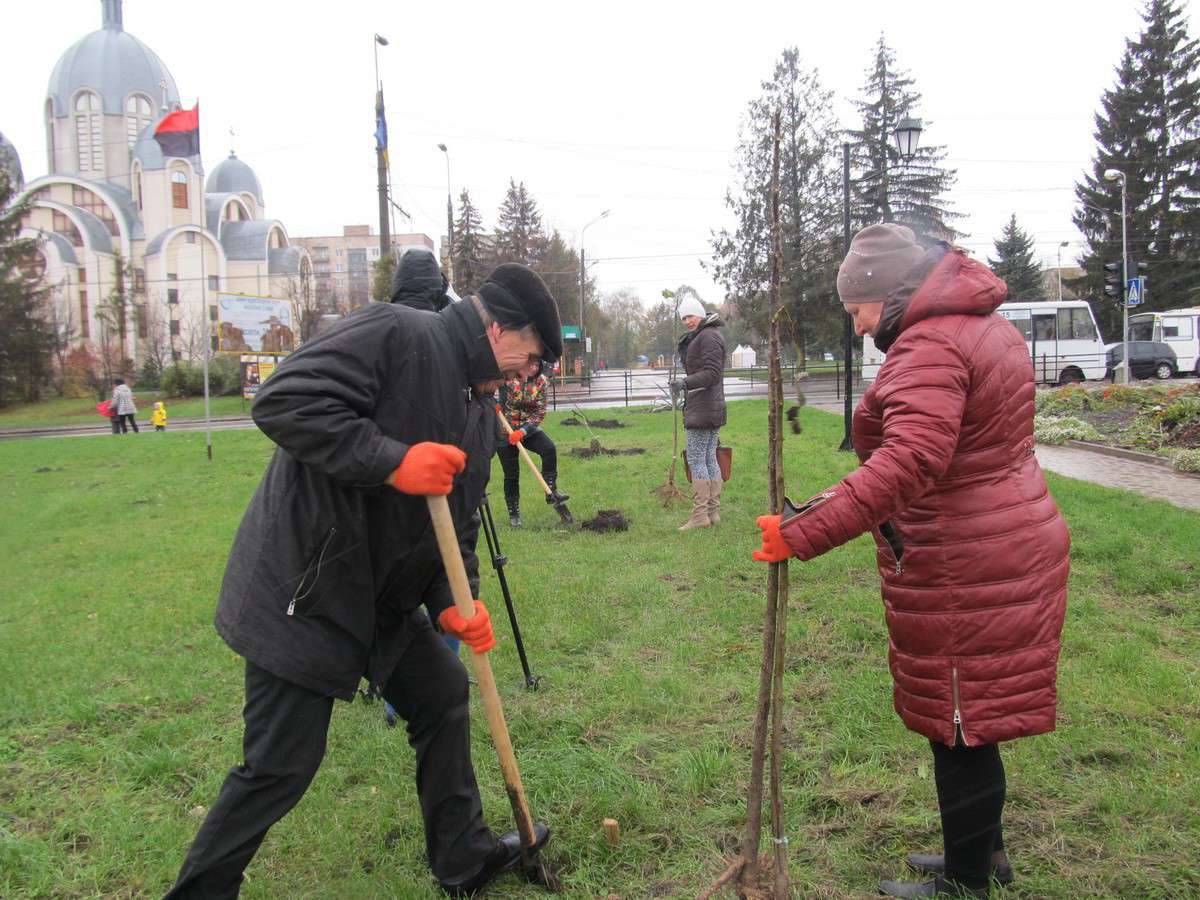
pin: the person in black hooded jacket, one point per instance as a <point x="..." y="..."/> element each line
<point x="336" y="556"/>
<point x="418" y="282"/>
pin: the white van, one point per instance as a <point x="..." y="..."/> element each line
<point x="1177" y="328"/>
<point x="1062" y="337"/>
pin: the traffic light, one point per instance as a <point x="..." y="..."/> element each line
<point x="1112" y="281"/>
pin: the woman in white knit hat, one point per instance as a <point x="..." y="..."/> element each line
<point x="702" y="351"/>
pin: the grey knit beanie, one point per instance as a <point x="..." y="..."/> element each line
<point x="879" y="257"/>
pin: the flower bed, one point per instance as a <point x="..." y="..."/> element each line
<point x="1159" y="419"/>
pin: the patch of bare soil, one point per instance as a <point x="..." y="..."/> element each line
<point x="597" y="450"/>
<point x="1186" y="435"/>
<point x="607" y="520"/>
<point x="595" y="423"/>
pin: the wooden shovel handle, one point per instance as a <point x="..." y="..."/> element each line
<point x="460" y="587"/>
<point x="508" y="429"/>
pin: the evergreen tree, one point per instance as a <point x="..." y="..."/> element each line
<point x="1148" y="128"/>
<point x="471" y="250"/>
<point x="26" y="336"/>
<point x="1014" y="263"/>
<point x="558" y="264"/>
<point x="518" y="226"/>
<point x="382" y="271"/>
<point x="888" y="188"/>
<point x="810" y="208"/>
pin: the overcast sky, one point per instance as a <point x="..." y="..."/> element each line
<point x="633" y="107"/>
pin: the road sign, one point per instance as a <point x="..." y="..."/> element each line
<point x="1135" y="291"/>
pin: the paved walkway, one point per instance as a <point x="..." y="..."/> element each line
<point x="1128" y="474"/>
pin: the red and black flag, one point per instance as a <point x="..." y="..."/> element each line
<point x="178" y="134"/>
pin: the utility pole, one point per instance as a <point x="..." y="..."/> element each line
<point x="381" y="157"/>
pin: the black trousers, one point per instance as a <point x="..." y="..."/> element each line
<point x="510" y="461"/>
<point x="284" y="742"/>
<point x="970" y="789"/>
<point x="121" y="420"/>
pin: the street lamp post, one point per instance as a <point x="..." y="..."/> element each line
<point x="380" y="158"/>
<point x="907" y="134"/>
<point x="449" y="219"/>
<point x="1060" y="246"/>
<point x="1118" y="175"/>
<point x="582" y="282"/>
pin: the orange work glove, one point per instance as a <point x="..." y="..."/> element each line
<point x="476" y="631"/>
<point x="774" y="547"/>
<point x="515" y="437"/>
<point x="429" y="468"/>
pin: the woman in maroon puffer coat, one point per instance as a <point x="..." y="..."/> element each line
<point x="971" y="548"/>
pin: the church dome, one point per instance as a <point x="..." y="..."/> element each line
<point x="232" y="176"/>
<point x="114" y="64"/>
<point x="10" y="162"/>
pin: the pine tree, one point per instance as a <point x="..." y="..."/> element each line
<point x="471" y="249"/>
<point x="810" y="208"/>
<point x="888" y="188"/>
<point x="1014" y="263"/>
<point x="26" y="336"/>
<point x="518" y="226"/>
<point x="558" y="264"/>
<point x="1149" y="129"/>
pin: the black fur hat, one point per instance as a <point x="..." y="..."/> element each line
<point x="515" y="295"/>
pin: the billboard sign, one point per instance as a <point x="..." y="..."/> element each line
<point x="248" y="324"/>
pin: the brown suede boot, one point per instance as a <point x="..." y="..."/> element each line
<point x="699" y="517"/>
<point x="714" y="501"/>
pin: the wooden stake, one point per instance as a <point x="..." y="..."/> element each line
<point x="612" y="831"/>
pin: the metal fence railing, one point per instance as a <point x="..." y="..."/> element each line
<point x="637" y="387"/>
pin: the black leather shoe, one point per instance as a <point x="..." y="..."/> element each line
<point x="938" y="887"/>
<point x="935" y="864"/>
<point x="505" y="856"/>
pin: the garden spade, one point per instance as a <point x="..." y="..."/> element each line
<point x="559" y="504"/>
<point x="532" y="865"/>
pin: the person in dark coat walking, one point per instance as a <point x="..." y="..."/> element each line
<point x="971" y="548"/>
<point x="702" y="351"/>
<point x="336" y="555"/>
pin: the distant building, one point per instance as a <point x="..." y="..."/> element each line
<point x="1069" y="274"/>
<point x="111" y="196"/>
<point x="342" y="264"/>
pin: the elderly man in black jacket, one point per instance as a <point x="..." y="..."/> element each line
<point x="336" y="555"/>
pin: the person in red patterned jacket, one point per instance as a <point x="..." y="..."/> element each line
<point x="971" y="548"/>
<point x="523" y="403"/>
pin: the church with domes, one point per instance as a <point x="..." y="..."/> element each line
<point x="115" y="218"/>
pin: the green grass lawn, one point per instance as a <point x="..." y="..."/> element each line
<point x="76" y="411"/>
<point x="120" y="707"/>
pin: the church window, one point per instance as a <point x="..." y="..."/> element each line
<point x="90" y="200"/>
<point x="89" y="132"/>
<point x="65" y="227"/>
<point x="137" y="116"/>
<point x="179" y="190"/>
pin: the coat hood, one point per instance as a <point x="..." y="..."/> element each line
<point x="418" y="282"/>
<point x="945" y="282"/>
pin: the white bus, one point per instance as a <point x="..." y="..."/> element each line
<point x="1179" y="329"/>
<point x="1062" y="337"/>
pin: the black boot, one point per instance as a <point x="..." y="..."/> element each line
<point x="937" y="887"/>
<point x="514" y="513"/>
<point x="505" y="856"/>
<point x="935" y="864"/>
<point x="554" y="498"/>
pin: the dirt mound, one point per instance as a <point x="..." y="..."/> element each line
<point x="607" y="520"/>
<point x="589" y="452"/>
<point x="595" y="423"/>
<point x="1185" y="435"/>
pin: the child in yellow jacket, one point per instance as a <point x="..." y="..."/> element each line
<point x="158" y="418"/>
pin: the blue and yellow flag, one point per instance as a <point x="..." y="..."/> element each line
<point x="381" y="126"/>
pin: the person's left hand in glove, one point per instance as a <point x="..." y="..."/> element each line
<point x="774" y="547"/>
<point x="476" y="632"/>
<point x="516" y="436"/>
